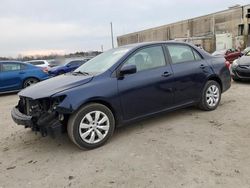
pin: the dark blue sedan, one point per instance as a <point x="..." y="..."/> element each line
<point x="120" y="86"/>
<point x="16" y="75"/>
<point x="67" y="67"/>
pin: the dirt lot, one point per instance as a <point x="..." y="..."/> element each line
<point x="186" y="148"/>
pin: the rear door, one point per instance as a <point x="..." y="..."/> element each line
<point x="148" y="90"/>
<point x="11" y="76"/>
<point x="190" y="72"/>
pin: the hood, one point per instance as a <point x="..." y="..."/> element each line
<point x="244" y="60"/>
<point x="54" y="85"/>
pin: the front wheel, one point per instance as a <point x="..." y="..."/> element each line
<point x="211" y="96"/>
<point x="91" y="126"/>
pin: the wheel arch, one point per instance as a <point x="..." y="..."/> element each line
<point x="30" y="78"/>
<point x="105" y="103"/>
<point x="216" y="79"/>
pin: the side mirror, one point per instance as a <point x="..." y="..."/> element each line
<point x="128" y="69"/>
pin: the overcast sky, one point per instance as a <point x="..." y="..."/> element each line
<point x="63" y="26"/>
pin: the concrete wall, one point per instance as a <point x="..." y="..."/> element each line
<point x="201" y="30"/>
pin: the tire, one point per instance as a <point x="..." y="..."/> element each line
<point x="29" y="81"/>
<point x="105" y="126"/>
<point x="211" y="96"/>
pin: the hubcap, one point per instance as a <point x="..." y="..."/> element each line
<point x="212" y="95"/>
<point x="94" y="127"/>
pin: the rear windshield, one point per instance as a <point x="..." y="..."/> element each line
<point x="36" y="62"/>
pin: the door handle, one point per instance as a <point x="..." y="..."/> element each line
<point x="202" y="66"/>
<point x="22" y="72"/>
<point x="166" y="74"/>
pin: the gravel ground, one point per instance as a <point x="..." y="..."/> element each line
<point x="186" y="148"/>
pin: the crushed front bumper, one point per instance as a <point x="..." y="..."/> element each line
<point x="20" y="118"/>
<point x="46" y="126"/>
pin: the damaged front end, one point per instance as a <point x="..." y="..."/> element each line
<point x="40" y="115"/>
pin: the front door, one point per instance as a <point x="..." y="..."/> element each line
<point x="149" y="90"/>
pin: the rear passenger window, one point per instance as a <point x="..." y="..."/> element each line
<point x="76" y="63"/>
<point x="11" y="67"/>
<point x="36" y="62"/>
<point x="182" y="53"/>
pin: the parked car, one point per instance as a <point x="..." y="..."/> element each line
<point x="246" y="50"/>
<point x="16" y="75"/>
<point x="123" y="85"/>
<point x="230" y="54"/>
<point x="240" y="69"/>
<point x="67" y="67"/>
<point x="40" y="63"/>
<point x="54" y="62"/>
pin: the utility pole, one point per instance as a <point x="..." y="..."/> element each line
<point x="112" y="37"/>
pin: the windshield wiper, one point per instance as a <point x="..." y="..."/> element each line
<point x="80" y="72"/>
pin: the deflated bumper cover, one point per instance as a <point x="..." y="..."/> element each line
<point x="47" y="125"/>
<point x="20" y="118"/>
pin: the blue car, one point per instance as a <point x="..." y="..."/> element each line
<point x="16" y="75"/>
<point x="120" y="86"/>
<point x="67" y="67"/>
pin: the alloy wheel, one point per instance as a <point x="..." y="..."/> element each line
<point x="212" y="95"/>
<point x="94" y="127"/>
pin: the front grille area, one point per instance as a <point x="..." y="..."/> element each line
<point x="31" y="107"/>
<point x="243" y="73"/>
<point x="245" y="66"/>
<point x="25" y="105"/>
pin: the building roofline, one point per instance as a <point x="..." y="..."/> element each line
<point x="186" y="20"/>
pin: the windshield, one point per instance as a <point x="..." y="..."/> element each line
<point x="103" y="62"/>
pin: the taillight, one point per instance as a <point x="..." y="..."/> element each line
<point x="227" y="64"/>
<point x="45" y="69"/>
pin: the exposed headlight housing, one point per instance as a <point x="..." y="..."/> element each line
<point x="57" y="100"/>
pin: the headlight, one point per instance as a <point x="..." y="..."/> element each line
<point x="235" y="64"/>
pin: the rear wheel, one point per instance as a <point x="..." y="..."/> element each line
<point x="30" y="81"/>
<point x="91" y="126"/>
<point x="211" y="96"/>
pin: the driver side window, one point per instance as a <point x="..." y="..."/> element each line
<point x="147" y="58"/>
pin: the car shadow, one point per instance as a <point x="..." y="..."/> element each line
<point x="242" y="82"/>
<point x="62" y="144"/>
<point x="8" y="94"/>
<point x="155" y="119"/>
